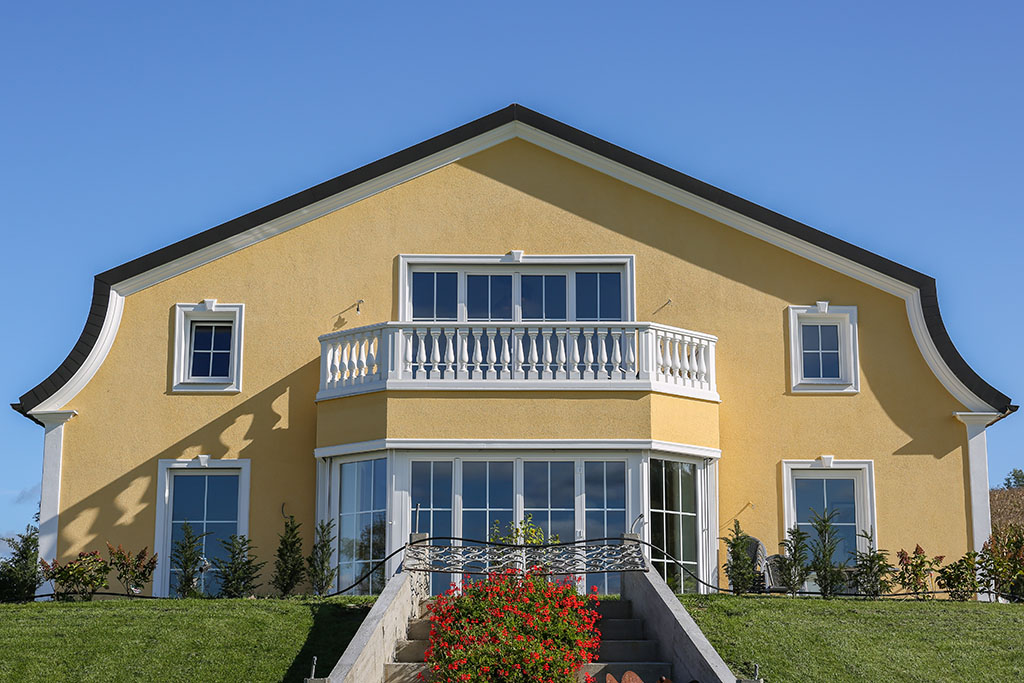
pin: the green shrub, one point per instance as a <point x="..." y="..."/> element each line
<point x="739" y="565"/>
<point x="289" y="568"/>
<point x="960" y="578"/>
<point x="20" y="575"/>
<point x="80" y="578"/>
<point x="133" y="571"/>
<point x="872" y="571"/>
<point x="238" y="573"/>
<point x="319" y="570"/>
<point x="915" y="572"/>
<point x="793" y="564"/>
<point x="829" y="574"/>
<point x="187" y="558"/>
<point x="1002" y="562"/>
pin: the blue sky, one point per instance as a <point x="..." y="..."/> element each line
<point x="125" y="127"/>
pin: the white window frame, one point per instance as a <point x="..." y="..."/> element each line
<point x="516" y="263"/>
<point x="862" y="472"/>
<point x="162" y="536"/>
<point x="207" y="311"/>
<point x="849" y="366"/>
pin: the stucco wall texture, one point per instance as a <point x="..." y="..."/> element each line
<point x="303" y="283"/>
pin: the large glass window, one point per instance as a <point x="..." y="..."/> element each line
<point x="211" y="350"/>
<point x="813" y="495"/>
<point x="487" y="498"/>
<point x="209" y="503"/>
<point x="820" y="351"/>
<point x="489" y="297"/>
<point x="543" y="297"/>
<point x="362" y="524"/>
<point x="598" y="296"/>
<point x="674" y="522"/>
<point x="432" y="507"/>
<point x="435" y="296"/>
<point x="604" y="494"/>
<point x="513" y="295"/>
<point x="549" y="497"/>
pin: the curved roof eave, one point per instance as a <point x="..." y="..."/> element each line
<point x="106" y="281"/>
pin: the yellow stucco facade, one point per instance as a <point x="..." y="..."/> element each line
<point x="303" y="283"/>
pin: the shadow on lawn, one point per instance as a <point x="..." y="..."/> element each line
<point x="333" y="626"/>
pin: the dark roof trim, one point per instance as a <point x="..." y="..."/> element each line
<point x="515" y="112"/>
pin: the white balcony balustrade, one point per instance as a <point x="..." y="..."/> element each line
<point x="499" y="356"/>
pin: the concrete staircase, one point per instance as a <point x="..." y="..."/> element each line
<point x="623" y="648"/>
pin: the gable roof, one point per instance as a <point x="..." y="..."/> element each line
<point x="918" y="288"/>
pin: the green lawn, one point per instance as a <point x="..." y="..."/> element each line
<point x="797" y="639"/>
<point x="176" y="640"/>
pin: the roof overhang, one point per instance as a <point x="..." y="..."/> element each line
<point x="515" y="121"/>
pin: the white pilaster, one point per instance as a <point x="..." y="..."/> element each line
<point x="49" y="496"/>
<point x="977" y="467"/>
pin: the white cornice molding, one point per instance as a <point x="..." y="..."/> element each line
<point x="983" y="419"/>
<point x="53" y="418"/>
<point x="97" y="354"/>
<point x="519" y="445"/>
<point x="517" y="129"/>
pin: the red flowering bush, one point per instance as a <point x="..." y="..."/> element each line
<point x="514" y="629"/>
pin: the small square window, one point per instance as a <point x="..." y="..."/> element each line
<point x="823" y="348"/>
<point x="208" y="347"/>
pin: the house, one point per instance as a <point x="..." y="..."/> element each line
<point x="513" y="318"/>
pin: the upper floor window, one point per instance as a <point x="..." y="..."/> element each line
<point x="208" y="347"/>
<point x="500" y="289"/>
<point x="823" y="348"/>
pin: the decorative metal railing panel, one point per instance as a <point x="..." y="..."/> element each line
<point x="560" y="559"/>
<point x="484" y="355"/>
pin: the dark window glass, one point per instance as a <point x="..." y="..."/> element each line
<point x="203" y="340"/>
<point x="812" y="364"/>
<point x="474" y="485"/>
<point x="830" y="364"/>
<point x="593" y="484"/>
<point x="610" y="296"/>
<point x="443" y="485"/>
<point x="447" y="296"/>
<point x="554" y="297"/>
<point x="811" y="338"/>
<point x="533" y="297"/>
<point x="563" y="485"/>
<point x="201" y="364"/>
<point x="829" y="337"/>
<point x="189" y="498"/>
<point x="422" y="295"/>
<point x="501" y="297"/>
<point x="222" y="498"/>
<point x="810" y="498"/>
<point x="420" y="484"/>
<point x="535" y="484"/>
<point x="616" y="484"/>
<point x="500" y="485"/>
<point x="840" y="495"/>
<point x="477" y="297"/>
<point x="586" y="296"/>
<point x="221" y="365"/>
<point x="222" y="338"/>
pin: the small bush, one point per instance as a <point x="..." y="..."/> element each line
<point x="793" y="564"/>
<point x="289" y="569"/>
<point x="133" y="571"/>
<point x="187" y="558"/>
<point x="319" y="570"/>
<point x="960" y="578"/>
<point x="80" y="578"/>
<point x="829" y="574"/>
<point x="20" y="575"/>
<point x="740" y="566"/>
<point x="872" y="571"/>
<point x="512" y="628"/>
<point x="1002" y="562"/>
<point x="915" y="572"/>
<point x="238" y="573"/>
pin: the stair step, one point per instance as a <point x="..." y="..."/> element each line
<point x="611" y="629"/>
<point x="615" y="609"/>
<point x="626" y="651"/>
<point x="411" y="650"/>
<point x="419" y="629"/>
<point x="649" y="672"/>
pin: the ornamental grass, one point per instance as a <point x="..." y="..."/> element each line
<point x="512" y="628"/>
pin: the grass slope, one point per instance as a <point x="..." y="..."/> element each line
<point x="794" y="639"/>
<point x="175" y="640"/>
